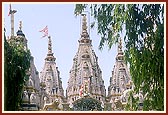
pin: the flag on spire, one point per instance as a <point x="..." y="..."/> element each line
<point x="44" y="31"/>
<point x="10" y="9"/>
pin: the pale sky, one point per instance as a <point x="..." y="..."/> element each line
<point x="64" y="29"/>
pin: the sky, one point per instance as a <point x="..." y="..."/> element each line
<point x="64" y="28"/>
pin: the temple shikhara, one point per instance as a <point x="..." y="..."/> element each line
<point x="43" y="91"/>
<point x="85" y="74"/>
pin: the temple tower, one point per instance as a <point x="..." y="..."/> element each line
<point x="85" y="74"/>
<point x="50" y="81"/>
<point x="120" y="80"/>
<point x="30" y="96"/>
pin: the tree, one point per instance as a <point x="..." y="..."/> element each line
<point x="16" y="63"/>
<point x="142" y="27"/>
<point x="87" y="104"/>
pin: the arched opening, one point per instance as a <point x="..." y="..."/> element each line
<point x="87" y="104"/>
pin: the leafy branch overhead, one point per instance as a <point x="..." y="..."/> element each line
<point x="109" y="24"/>
<point x="142" y="27"/>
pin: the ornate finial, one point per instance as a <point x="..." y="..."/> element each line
<point x="19" y="32"/>
<point x="20" y="25"/>
<point x="120" y="45"/>
<point x="120" y="55"/>
<point x="84" y="23"/>
<point x="49" y="45"/>
<point x="50" y="56"/>
<point x="84" y="27"/>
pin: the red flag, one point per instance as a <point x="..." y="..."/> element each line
<point x="45" y="31"/>
<point x="10" y="9"/>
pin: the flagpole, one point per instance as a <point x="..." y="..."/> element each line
<point x="11" y="12"/>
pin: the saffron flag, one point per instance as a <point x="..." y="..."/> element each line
<point x="10" y="9"/>
<point x="44" y="31"/>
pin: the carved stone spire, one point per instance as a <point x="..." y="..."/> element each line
<point x="21" y="36"/>
<point x="84" y="35"/>
<point x="120" y="55"/>
<point x="20" y="25"/>
<point x="50" y="78"/>
<point x="49" y="45"/>
<point x="85" y="75"/>
<point x="120" y="46"/>
<point x="120" y="79"/>
<point x="50" y="56"/>
<point x="19" y="32"/>
<point x="84" y="27"/>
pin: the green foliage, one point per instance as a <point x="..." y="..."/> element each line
<point x="87" y="104"/>
<point x="145" y="52"/>
<point x="133" y="102"/>
<point x="16" y="63"/>
<point x="142" y="27"/>
<point x="109" y="18"/>
<point x="79" y="8"/>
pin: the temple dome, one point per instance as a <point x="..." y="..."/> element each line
<point x="20" y="33"/>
